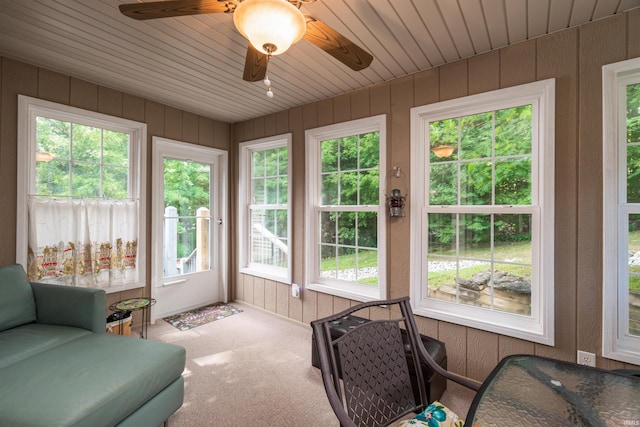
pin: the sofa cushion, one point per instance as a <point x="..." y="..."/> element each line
<point x="95" y="380"/>
<point x="27" y="340"/>
<point x="17" y="305"/>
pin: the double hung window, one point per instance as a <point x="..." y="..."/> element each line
<point x="265" y="174"/>
<point x="345" y="209"/>
<point x="79" y="196"/>
<point x="482" y="211"/>
<point x="621" y="217"/>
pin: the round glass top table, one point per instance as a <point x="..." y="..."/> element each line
<point x="532" y="390"/>
<point x="135" y="304"/>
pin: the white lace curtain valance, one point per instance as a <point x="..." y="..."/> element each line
<point x="83" y="242"/>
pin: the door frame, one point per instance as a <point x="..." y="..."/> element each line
<point x="165" y="147"/>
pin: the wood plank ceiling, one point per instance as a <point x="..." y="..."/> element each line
<point x="195" y="63"/>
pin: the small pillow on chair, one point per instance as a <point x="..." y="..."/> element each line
<point x="434" y="415"/>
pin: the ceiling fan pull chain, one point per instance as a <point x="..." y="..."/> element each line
<point x="266" y="80"/>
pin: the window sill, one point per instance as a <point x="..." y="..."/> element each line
<point x="266" y="275"/>
<point x="108" y="289"/>
<point x="352" y="294"/>
<point x="121" y="288"/>
<point x="522" y="327"/>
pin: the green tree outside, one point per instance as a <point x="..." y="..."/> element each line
<point x="84" y="161"/>
<point x="633" y="178"/>
<point x="490" y="165"/>
<point x="187" y="188"/>
<point x="350" y="177"/>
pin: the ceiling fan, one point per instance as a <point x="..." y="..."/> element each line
<point x="271" y="26"/>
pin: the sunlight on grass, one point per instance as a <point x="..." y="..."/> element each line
<point x="513" y="250"/>
<point x="366" y="259"/>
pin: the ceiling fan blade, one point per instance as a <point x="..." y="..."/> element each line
<point x="168" y="9"/>
<point x="337" y="45"/>
<point x="255" y="65"/>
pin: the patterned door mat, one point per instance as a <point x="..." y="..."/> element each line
<point x="200" y="316"/>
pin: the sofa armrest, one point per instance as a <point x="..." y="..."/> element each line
<point x="70" y="306"/>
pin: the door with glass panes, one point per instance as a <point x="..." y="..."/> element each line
<point x="187" y="227"/>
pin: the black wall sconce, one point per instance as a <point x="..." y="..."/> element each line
<point x="395" y="203"/>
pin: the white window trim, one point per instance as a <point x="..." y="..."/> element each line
<point x="313" y="281"/>
<point x="539" y="327"/>
<point x="281" y="275"/>
<point x="28" y="109"/>
<point x="617" y="344"/>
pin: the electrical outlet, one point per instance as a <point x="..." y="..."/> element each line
<point x="586" y="358"/>
<point x="295" y="290"/>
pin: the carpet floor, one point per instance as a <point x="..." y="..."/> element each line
<point x="255" y="369"/>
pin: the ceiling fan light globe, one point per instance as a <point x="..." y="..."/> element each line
<point x="268" y="23"/>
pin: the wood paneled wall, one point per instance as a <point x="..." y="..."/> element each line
<point x="574" y="58"/>
<point x="18" y="78"/>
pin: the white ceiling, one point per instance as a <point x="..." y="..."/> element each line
<point x="195" y="63"/>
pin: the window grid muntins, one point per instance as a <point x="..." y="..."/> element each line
<point x="630" y="319"/>
<point x="632" y="138"/>
<point x="347" y="214"/>
<point x="268" y="210"/>
<point x="462" y="167"/>
<point x="621" y="211"/>
<point x="86" y="177"/>
<point x="264" y="173"/>
<point x="187" y="216"/>
<point x="464" y="228"/>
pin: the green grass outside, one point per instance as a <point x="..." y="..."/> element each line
<point x="439" y="278"/>
<point x="634" y="281"/>
<point x="517" y="250"/>
<point x="348" y="262"/>
<point x="513" y="251"/>
<point x="634" y="246"/>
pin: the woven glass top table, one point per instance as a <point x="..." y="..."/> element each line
<point x="537" y="391"/>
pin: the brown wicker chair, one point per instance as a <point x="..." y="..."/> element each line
<point x="376" y="388"/>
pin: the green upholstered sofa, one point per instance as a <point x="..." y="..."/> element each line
<point x="58" y="367"/>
